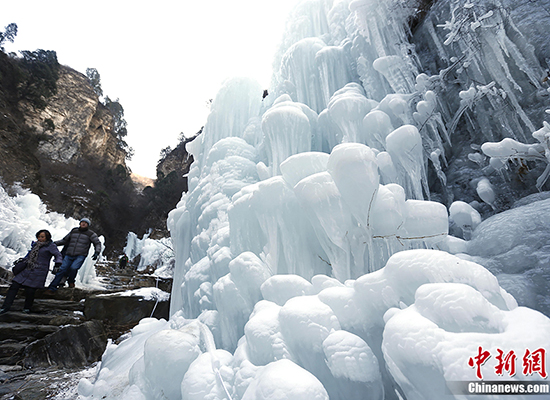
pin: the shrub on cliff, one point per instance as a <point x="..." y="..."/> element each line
<point x="40" y="72"/>
<point x="8" y="35"/>
<point x="31" y="77"/>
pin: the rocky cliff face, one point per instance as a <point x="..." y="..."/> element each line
<point x="178" y="160"/>
<point x="155" y="202"/>
<point x="66" y="152"/>
<point x="80" y="128"/>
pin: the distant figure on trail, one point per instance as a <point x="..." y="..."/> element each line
<point x="76" y="246"/>
<point x="123" y="262"/>
<point x="34" y="275"/>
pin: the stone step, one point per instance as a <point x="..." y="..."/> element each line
<point x="107" y="271"/>
<point x="24" y="331"/>
<point x="42" y="319"/>
<point x="68" y="294"/>
<point x="69" y="328"/>
<point x="49" y="306"/>
<point x="45" y="305"/>
<point x="46" y="345"/>
<point x="10" y="348"/>
<point x="124" y="310"/>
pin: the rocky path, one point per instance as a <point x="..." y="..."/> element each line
<point x="42" y="352"/>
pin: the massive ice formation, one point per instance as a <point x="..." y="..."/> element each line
<point x="306" y="248"/>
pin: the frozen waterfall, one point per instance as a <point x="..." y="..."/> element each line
<point x="312" y="258"/>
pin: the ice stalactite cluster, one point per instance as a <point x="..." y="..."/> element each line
<point x="494" y="60"/>
<point x="489" y="81"/>
<point x="306" y="247"/>
<point x="21" y="216"/>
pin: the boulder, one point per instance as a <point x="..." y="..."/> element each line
<point x="70" y="346"/>
<point x="124" y="310"/>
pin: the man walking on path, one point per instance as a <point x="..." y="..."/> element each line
<point x="77" y="244"/>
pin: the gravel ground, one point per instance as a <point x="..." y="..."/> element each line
<point x="51" y="384"/>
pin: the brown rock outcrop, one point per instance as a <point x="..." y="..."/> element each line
<point x="82" y="126"/>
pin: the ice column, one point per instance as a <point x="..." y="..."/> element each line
<point x="405" y="147"/>
<point x="300" y="73"/>
<point x="287" y="131"/>
<point x="331" y="220"/>
<point x="347" y="109"/>
<point x="266" y="219"/>
<point x="355" y="172"/>
<point x="237" y="101"/>
<point x="334" y="70"/>
<point x="199" y="225"/>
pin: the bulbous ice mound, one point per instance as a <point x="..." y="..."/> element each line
<point x="361" y="304"/>
<point x="465" y="217"/>
<point x="281" y="288"/>
<point x="284" y="380"/>
<point x="164" y="367"/>
<point x="202" y="381"/>
<point x="350" y="357"/>
<point x="431" y="342"/>
<point x="421" y="317"/>
<point x="300" y="166"/>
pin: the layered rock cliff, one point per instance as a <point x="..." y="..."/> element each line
<point x="72" y="129"/>
<point x="156" y="201"/>
<point x="65" y="152"/>
<point x="82" y="126"/>
<point x="177" y="160"/>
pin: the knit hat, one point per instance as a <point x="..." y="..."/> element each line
<point x="86" y="220"/>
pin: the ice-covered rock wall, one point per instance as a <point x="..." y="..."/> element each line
<point x="487" y="62"/>
<point x="309" y="260"/>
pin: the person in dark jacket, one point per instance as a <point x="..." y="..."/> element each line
<point x="76" y="246"/>
<point x="34" y="275"/>
<point x="123" y="261"/>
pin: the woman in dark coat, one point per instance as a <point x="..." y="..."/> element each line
<point x="34" y="275"/>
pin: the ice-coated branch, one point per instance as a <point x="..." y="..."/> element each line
<point x="510" y="149"/>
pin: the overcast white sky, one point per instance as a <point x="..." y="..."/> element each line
<point x="164" y="60"/>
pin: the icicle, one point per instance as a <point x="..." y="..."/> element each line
<point x="485" y="192"/>
<point x="434" y="157"/>
<point x="405" y="146"/>
<point x="397" y="73"/>
<point x="287" y="131"/>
